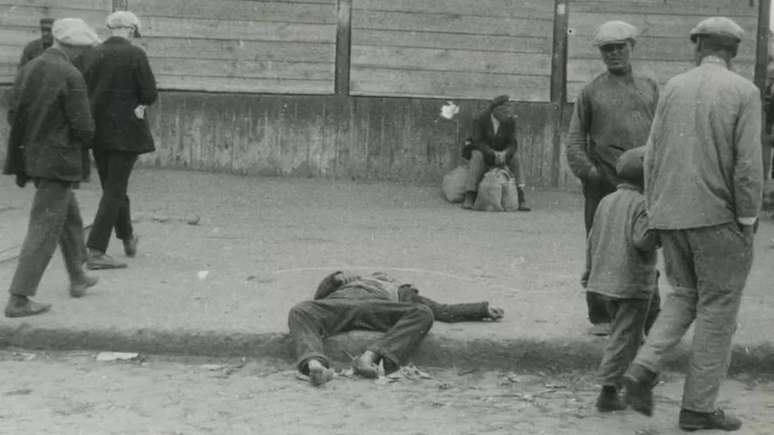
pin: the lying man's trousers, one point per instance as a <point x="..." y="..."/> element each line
<point x="404" y="324"/>
<point x="54" y="219"/>
<point x="707" y="268"/>
<point x="477" y="167"/>
<point x="631" y="318"/>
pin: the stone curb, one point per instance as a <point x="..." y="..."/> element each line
<point x="519" y="354"/>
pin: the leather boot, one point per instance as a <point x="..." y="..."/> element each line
<point x="638" y="384"/>
<point x="522" y="199"/>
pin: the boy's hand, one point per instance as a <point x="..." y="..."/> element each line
<point x="496" y="313"/>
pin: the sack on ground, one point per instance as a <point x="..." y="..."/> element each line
<point x="453" y="184"/>
<point x="497" y="191"/>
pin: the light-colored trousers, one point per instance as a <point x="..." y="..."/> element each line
<point x="707" y="269"/>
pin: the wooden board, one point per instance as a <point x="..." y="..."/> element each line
<point x="281" y="46"/>
<point x="452" y="48"/>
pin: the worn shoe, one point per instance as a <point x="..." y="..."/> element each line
<point x="98" y="260"/>
<point x="23" y="307"/>
<point x="638" y="386"/>
<point x="609" y="401"/>
<point x="130" y="246"/>
<point x="600" y="329"/>
<point x="78" y="288"/>
<point x="692" y="420"/>
<point x="319" y="376"/>
<point x="523" y="207"/>
<point x="470" y="199"/>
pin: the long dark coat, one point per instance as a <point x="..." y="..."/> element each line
<point x="51" y="126"/>
<point x="119" y="79"/>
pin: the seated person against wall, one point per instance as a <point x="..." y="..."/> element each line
<point x="494" y="144"/>
<point x="345" y="301"/>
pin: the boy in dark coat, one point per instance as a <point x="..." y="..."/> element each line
<point x="51" y="129"/>
<point x="621" y="271"/>
<point x="345" y="301"/>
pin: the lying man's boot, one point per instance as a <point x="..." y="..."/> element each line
<point x="99" y="260"/>
<point x="365" y="365"/>
<point x="22" y="306"/>
<point x="692" y="420"/>
<point x="638" y="384"/>
<point x="78" y="287"/>
<point x="470" y="199"/>
<point x="318" y="374"/>
<point x="130" y="245"/>
<point x="609" y="401"/>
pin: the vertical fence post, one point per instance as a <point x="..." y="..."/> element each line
<point x="343" y="46"/>
<point x="558" y="85"/>
<point x="761" y="66"/>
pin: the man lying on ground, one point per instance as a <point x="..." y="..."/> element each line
<point x="345" y="301"/>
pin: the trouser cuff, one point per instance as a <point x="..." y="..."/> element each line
<point x="303" y="362"/>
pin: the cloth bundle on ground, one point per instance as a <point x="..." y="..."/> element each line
<point x="453" y="184"/>
<point x="497" y="191"/>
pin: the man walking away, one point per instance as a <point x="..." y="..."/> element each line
<point x="121" y="85"/>
<point x="51" y="128"/>
<point x="37" y="47"/>
<point x="703" y="184"/>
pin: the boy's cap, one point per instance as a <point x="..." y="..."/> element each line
<point x="629" y="166"/>
<point x="46" y="23"/>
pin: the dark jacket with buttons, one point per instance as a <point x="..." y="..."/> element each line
<point x="51" y="126"/>
<point x="119" y="79"/>
<point x="486" y="140"/>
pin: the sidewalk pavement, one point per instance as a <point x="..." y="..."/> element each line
<point x="224" y="285"/>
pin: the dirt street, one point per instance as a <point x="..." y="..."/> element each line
<point x="73" y="393"/>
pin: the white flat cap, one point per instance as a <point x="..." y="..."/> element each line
<point x="74" y="31"/>
<point x="120" y="19"/>
<point x="718" y="26"/>
<point x="614" y="32"/>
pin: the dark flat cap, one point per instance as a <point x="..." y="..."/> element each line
<point x="499" y="101"/>
<point x="46" y="22"/>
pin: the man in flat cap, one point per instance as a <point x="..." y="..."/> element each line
<point x="612" y="114"/>
<point x="51" y="128"/>
<point x="121" y="85"/>
<point x="703" y="184"/>
<point x="494" y="143"/>
<point x="37" y="47"/>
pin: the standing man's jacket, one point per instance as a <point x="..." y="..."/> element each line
<point x="119" y="79"/>
<point x="51" y="126"/>
<point x="703" y="165"/>
<point x="487" y="141"/>
<point x="612" y="115"/>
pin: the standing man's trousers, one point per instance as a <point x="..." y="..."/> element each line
<point x="477" y="167"/>
<point x="707" y="268"/>
<point x="404" y="325"/>
<point x="114" y="168"/>
<point x="593" y="192"/>
<point x="54" y="219"/>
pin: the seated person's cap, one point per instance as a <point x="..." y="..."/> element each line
<point x="119" y="19"/>
<point x="75" y="32"/>
<point x="629" y="166"/>
<point x="499" y="101"/>
<point x="46" y="23"/>
<point x="614" y="32"/>
<point x="721" y="26"/>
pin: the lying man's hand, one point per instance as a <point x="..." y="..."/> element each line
<point x="496" y="313"/>
<point x="345" y="277"/>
